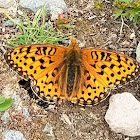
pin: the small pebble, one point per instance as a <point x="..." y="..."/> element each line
<point x="26" y="112"/>
<point x="132" y="36"/>
<point x="5" y="117"/>
<point x="10" y="23"/>
<point x="48" y="130"/>
<point x="13" y="135"/>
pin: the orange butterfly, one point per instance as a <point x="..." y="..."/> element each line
<point x="81" y="76"/>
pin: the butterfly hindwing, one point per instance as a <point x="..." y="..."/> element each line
<point x="91" y="91"/>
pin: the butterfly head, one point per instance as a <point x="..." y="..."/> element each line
<point x="73" y="44"/>
<point x="72" y="53"/>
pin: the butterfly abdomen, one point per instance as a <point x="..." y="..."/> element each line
<point x="72" y="70"/>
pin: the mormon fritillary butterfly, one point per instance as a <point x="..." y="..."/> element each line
<point x="82" y="76"/>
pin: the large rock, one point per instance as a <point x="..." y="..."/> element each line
<point x="53" y="7"/>
<point x="10" y="6"/>
<point x="6" y="3"/>
<point x="123" y="115"/>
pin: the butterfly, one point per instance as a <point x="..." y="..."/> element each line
<point x="83" y="76"/>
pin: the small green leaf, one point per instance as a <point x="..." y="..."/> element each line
<point x="117" y="13"/>
<point x="98" y="5"/>
<point x="5" y="105"/>
<point x="2" y="100"/>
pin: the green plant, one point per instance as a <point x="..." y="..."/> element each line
<point x="129" y="9"/>
<point x="98" y="5"/>
<point x="5" y="103"/>
<point x="35" y="32"/>
<point x="63" y="21"/>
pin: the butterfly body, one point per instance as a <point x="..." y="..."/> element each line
<point x="83" y="76"/>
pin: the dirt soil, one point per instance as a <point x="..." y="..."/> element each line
<point x="93" y="28"/>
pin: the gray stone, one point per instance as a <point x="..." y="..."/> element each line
<point x="26" y="112"/>
<point x="123" y="115"/>
<point x="11" y="23"/>
<point x="48" y="130"/>
<point x="53" y="7"/>
<point x="12" y="135"/>
<point x="5" y="117"/>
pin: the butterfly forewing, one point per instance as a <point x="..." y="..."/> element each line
<point x="40" y="63"/>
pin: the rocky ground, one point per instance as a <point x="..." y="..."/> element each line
<point x="66" y="121"/>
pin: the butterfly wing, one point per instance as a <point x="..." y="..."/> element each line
<point x="100" y="71"/>
<point x="42" y="64"/>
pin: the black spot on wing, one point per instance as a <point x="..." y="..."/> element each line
<point x="89" y="86"/>
<point x="120" y="66"/>
<point x="112" y="66"/>
<point x="119" y="72"/>
<point x="49" y="90"/>
<point x="42" y="67"/>
<point x="92" y="54"/>
<point x="49" y="53"/>
<point x="34" y="71"/>
<point x="38" y="50"/>
<point x="25" y="64"/>
<point x="131" y="64"/>
<point x="102" y="55"/>
<point x="44" y="50"/>
<point x="47" y="75"/>
<point x="89" y="93"/>
<point x="103" y="66"/>
<point x="31" y="67"/>
<point x="107" y="78"/>
<point x="96" y="55"/>
<point x="15" y="53"/>
<point x="53" y="74"/>
<point x="94" y="66"/>
<point x="108" y="54"/>
<point x="83" y="92"/>
<point x="51" y="82"/>
<point x="128" y="68"/>
<point x="119" y="59"/>
<point x="28" y="50"/>
<point x="54" y="51"/>
<point x="41" y="61"/>
<point x="50" y="61"/>
<point x="33" y="59"/>
<point x="112" y="75"/>
<point x="25" y="56"/>
<point x="101" y="73"/>
<point x="20" y="50"/>
<point x="88" y="78"/>
<point x="85" y="72"/>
